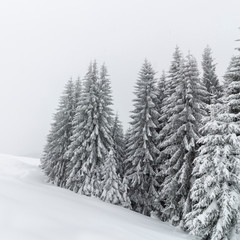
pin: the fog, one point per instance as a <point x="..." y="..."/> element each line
<point x="45" y="42"/>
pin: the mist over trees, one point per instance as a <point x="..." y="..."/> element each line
<point x="179" y="159"/>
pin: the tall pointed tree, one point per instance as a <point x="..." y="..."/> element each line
<point x="54" y="163"/>
<point x="142" y="147"/>
<point x="83" y="115"/>
<point x="167" y="104"/>
<point x="216" y="190"/>
<point x="209" y="78"/>
<point x="180" y="142"/>
<point x="161" y="100"/>
<point x="215" y="193"/>
<point x="166" y="107"/>
<point x="91" y="139"/>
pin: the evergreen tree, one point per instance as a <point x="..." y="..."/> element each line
<point x="180" y="141"/>
<point x="166" y="105"/>
<point x="161" y="100"/>
<point x="216" y="190"/>
<point x="142" y="146"/>
<point x="118" y="144"/>
<point x="112" y="187"/>
<point x="91" y="139"/>
<point x="77" y="107"/>
<point x="210" y="79"/>
<point x="84" y="114"/>
<point x="54" y="163"/>
<point x="166" y="109"/>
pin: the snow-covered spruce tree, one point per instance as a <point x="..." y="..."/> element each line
<point x="53" y="161"/>
<point x="180" y="142"/>
<point x="215" y="193"/>
<point x="161" y="100"/>
<point x="118" y="144"/>
<point x="167" y="104"/>
<point x="142" y="143"/>
<point x="77" y="106"/>
<point x="75" y="150"/>
<point x="91" y="139"/>
<point x="165" y="107"/>
<point x="209" y="78"/>
<point x="113" y="190"/>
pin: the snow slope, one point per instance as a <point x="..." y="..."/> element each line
<point x="31" y="209"/>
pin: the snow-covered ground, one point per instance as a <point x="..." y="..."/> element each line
<point x="31" y="209"/>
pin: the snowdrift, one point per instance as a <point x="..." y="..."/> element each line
<point x="31" y="209"/>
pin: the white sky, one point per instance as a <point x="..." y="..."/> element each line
<point x="45" y="42"/>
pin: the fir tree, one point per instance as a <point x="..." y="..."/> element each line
<point x="91" y="139"/>
<point x="210" y="79"/>
<point x="112" y="187"/>
<point x="54" y="163"/>
<point x="167" y="103"/>
<point x="166" y="108"/>
<point x="142" y="146"/>
<point x="77" y="106"/>
<point x="180" y="141"/>
<point x="215" y="192"/>
<point x="161" y="100"/>
<point x="76" y="151"/>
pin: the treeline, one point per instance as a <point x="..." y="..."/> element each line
<point x="180" y="158"/>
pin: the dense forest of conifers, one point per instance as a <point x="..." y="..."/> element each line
<point x="180" y="157"/>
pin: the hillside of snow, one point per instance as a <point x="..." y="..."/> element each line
<point x="31" y="209"/>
